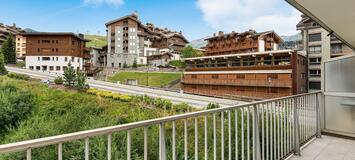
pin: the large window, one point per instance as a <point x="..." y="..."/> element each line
<point x="314" y="72"/>
<point x="336" y="48"/>
<point x="314" y="49"/>
<point x="46" y="58"/>
<point x="315" y="61"/>
<point x="314" y="85"/>
<point x="315" y="37"/>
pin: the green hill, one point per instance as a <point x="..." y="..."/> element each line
<point x="95" y="40"/>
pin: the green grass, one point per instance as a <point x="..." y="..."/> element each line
<point x="155" y="79"/>
<point x="95" y="40"/>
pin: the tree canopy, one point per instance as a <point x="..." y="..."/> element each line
<point x="8" y="51"/>
<point x="189" y="52"/>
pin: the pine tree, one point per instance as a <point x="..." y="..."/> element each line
<point x="135" y="63"/>
<point x="3" y="70"/>
<point x="8" y="50"/>
<point x="69" y="76"/>
<point x="81" y="81"/>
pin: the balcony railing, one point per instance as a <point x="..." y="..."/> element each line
<point x="240" y="82"/>
<point x="270" y="129"/>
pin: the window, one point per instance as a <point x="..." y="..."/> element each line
<point x="38" y="68"/>
<point x="38" y="50"/>
<point x="314" y="85"/>
<point x="52" y="58"/>
<point x="66" y="59"/>
<point x="56" y="41"/>
<point x="72" y="59"/>
<point x="56" y="49"/>
<point x="31" y="67"/>
<point x="46" y="58"/>
<point x="56" y="58"/>
<point x="240" y="76"/>
<point x="46" y="41"/>
<point x="303" y="75"/>
<point x="65" y="68"/>
<point x="273" y="76"/>
<point x="51" y="68"/>
<point x="72" y="42"/>
<point x="315" y="37"/>
<point x="315" y="61"/>
<point x="336" y="48"/>
<point x="38" y="58"/>
<point x="215" y="76"/>
<point x="314" y="73"/>
<point x="38" y="41"/>
<point x="314" y="49"/>
<point x="57" y="68"/>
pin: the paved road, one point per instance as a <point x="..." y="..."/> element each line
<point x="194" y="100"/>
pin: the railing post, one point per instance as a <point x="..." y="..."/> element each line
<point x="296" y="131"/>
<point x="319" y="132"/>
<point x="162" y="149"/>
<point x="256" y="135"/>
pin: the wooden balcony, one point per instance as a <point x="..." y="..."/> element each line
<point x="275" y="67"/>
<point x="240" y="82"/>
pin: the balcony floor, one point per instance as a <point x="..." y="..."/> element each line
<point x="328" y="148"/>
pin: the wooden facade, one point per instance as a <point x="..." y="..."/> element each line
<point x="232" y="72"/>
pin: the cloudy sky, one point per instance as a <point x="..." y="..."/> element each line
<point x="195" y="18"/>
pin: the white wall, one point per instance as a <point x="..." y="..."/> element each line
<point x="261" y="45"/>
<point x="34" y="61"/>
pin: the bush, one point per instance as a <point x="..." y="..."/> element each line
<point x="81" y="81"/>
<point x="163" y="104"/>
<point x="58" y="80"/>
<point x="16" y="105"/>
<point x="212" y="106"/>
<point x="19" y="76"/>
<point x="178" y="63"/>
<point x="107" y="94"/>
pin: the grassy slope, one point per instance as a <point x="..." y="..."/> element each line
<point x="95" y="40"/>
<point x="155" y="79"/>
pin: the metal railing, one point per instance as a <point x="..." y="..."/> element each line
<point x="270" y="129"/>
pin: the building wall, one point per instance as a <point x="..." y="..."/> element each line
<point x="38" y="63"/>
<point x="20" y="46"/>
<point x="50" y="51"/>
<point x="327" y="42"/>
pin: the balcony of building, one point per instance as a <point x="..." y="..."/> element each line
<point x="240" y="82"/>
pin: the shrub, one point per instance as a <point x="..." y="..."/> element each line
<point x="212" y="106"/>
<point x="182" y="107"/>
<point x="16" y="105"/>
<point x="81" y="81"/>
<point x="19" y="76"/>
<point x="163" y="104"/>
<point x="58" y="80"/>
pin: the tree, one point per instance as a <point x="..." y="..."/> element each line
<point x="3" y="70"/>
<point x="69" y="76"/>
<point x="189" y="52"/>
<point x="8" y="50"/>
<point x="134" y="63"/>
<point x="125" y="65"/>
<point x="81" y="81"/>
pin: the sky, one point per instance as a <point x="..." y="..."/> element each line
<point x="195" y="18"/>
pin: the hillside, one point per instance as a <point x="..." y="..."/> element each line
<point x="95" y="40"/>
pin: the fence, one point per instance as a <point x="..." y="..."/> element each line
<point x="270" y="129"/>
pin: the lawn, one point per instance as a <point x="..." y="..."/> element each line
<point x="155" y="79"/>
<point x="95" y="40"/>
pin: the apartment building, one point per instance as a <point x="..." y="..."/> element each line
<point x="129" y="40"/>
<point x="98" y="56"/>
<point x="245" y="65"/>
<point x="53" y="51"/>
<point x="6" y="30"/>
<point x="319" y="46"/>
<point x="20" y="46"/>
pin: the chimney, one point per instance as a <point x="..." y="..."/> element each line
<point x="135" y="14"/>
<point x="14" y="25"/>
<point x="220" y="33"/>
<point x="214" y="34"/>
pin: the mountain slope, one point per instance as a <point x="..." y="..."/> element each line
<point x="95" y="40"/>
